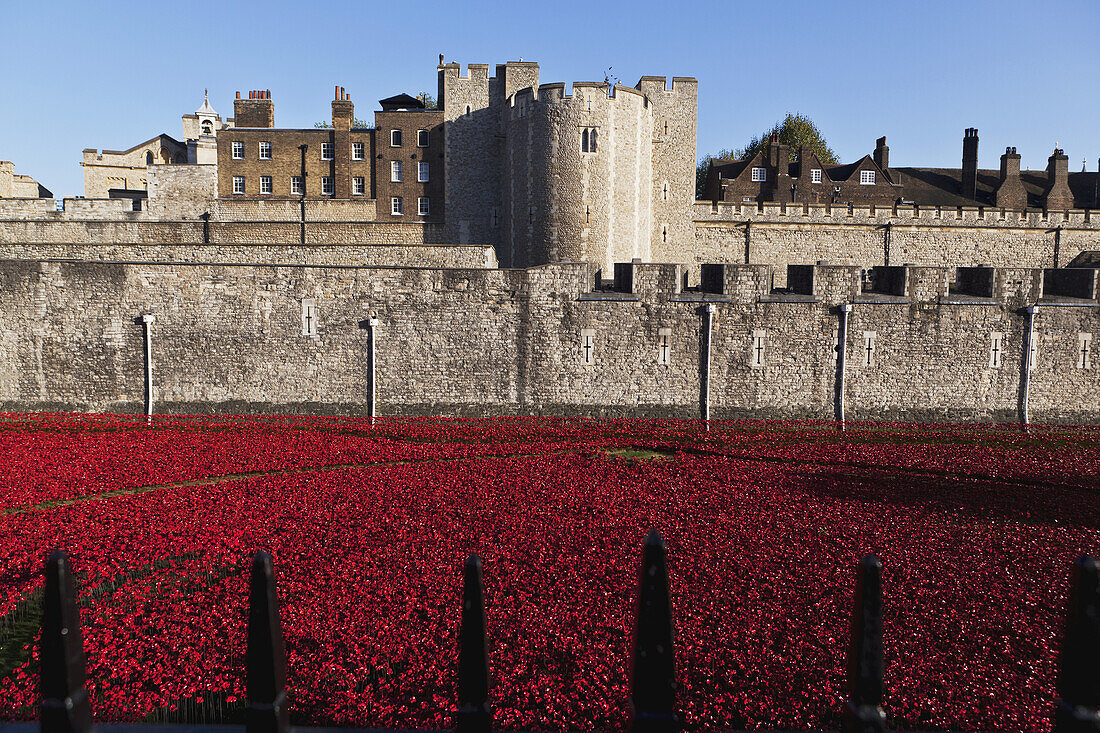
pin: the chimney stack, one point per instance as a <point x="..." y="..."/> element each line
<point x="1010" y="193"/>
<point x="256" y="111"/>
<point x="1058" y="197"/>
<point x="882" y="153"/>
<point x="970" y="163"/>
<point x="343" y="111"/>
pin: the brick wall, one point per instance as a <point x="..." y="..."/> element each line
<point x="229" y="338"/>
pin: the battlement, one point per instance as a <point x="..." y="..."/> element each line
<point x="653" y="85"/>
<point x="593" y="95"/>
<point x="899" y="215"/>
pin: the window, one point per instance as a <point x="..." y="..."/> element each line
<point x="757" y="356"/>
<point x="148" y="158"/>
<point x="588" y="140"/>
<point x="326" y="151"/>
<point x="422" y="172"/>
<point x="1084" y="351"/>
<point x="359" y="185"/>
<point x="265" y="151"/>
<point x="996" y="350"/>
<point x="588" y="345"/>
<point x="395" y="170"/>
<point x="265" y="184"/>
<point x="326" y="186"/>
<point x="423" y="138"/>
<point x="296" y="185"/>
<point x="664" y="191"/>
<point x="664" y="349"/>
<point x="397" y="207"/>
<point x="357" y="151"/>
<point x="309" y="318"/>
<point x="238" y="184"/>
<point x="207" y="127"/>
<point x="422" y="207"/>
<point x="868" y="348"/>
<point x="759" y="174"/>
<point x="867" y="178"/>
<point x="815" y="175"/>
<point x="238" y="151"/>
<point x="395" y="138"/>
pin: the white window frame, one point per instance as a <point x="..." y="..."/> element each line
<point x="757" y="357"/>
<point x="866" y="178"/>
<point x="422" y="171"/>
<point x="237" y="150"/>
<point x="397" y="206"/>
<point x="309" y="317"/>
<point x="587" y="347"/>
<point x="423" y="206"/>
<point x="664" y="346"/>
<point x="996" y="349"/>
<point x="815" y="175"/>
<point x="759" y="175"/>
<point x="296" y="185"/>
<point x="265" y="183"/>
<point x="357" y="151"/>
<point x="359" y="186"/>
<point x="238" y="190"/>
<point x="423" y="138"/>
<point x="396" y="172"/>
<point x="328" y="186"/>
<point x="327" y="151"/>
<point x="395" y="135"/>
<point x="265" y="150"/>
<point x="870" y="349"/>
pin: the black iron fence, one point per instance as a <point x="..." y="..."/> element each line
<point x="64" y="707"/>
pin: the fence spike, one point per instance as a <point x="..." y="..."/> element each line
<point x="653" y="668"/>
<point x="474" y="712"/>
<point x="64" y="707"/>
<point x="1079" y="665"/>
<point x="266" y="676"/>
<point x="864" y="713"/>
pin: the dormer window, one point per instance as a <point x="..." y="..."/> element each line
<point x="759" y="174"/>
<point x="867" y="178"/>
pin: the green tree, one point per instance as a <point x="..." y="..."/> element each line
<point x="361" y="124"/>
<point x="427" y="99"/>
<point x="796" y="130"/>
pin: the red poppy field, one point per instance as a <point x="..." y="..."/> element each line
<point x="369" y="524"/>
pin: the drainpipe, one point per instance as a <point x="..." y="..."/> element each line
<point x="708" y="329"/>
<point x="372" y="332"/>
<point x="147" y="327"/>
<point x="841" y="359"/>
<point x="1029" y="339"/>
<point x="302" y="202"/>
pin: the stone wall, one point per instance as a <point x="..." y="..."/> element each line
<point x="181" y="191"/>
<point x="483" y="342"/>
<point x="779" y="235"/>
<point x="385" y="255"/>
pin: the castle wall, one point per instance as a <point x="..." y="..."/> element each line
<point x="381" y="255"/>
<point x="230" y="338"/>
<point x="471" y="156"/>
<point x="779" y="235"/>
<point x="181" y="191"/>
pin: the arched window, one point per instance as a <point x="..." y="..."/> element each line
<point x="592" y="141"/>
<point x="207" y="127"/>
<point x="148" y="157"/>
<point x="467" y="109"/>
<point x="584" y="140"/>
<point x="165" y="156"/>
<point x="179" y="157"/>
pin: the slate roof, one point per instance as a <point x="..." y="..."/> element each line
<point x="400" y="101"/>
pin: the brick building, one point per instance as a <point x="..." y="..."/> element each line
<point x="398" y="163"/>
<point x="771" y="176"/>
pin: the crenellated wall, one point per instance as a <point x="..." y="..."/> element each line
<point x="926" y="342"/>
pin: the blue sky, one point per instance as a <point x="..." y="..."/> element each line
<point x="110" y="75"/>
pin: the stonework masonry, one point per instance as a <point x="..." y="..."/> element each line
<point x="926" y="343"/>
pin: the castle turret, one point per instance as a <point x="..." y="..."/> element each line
<point x="970" y="163"/>
<point x="256" y="111"/>
<point x="1058" y="197"/>
<point x="1010" y="193"/>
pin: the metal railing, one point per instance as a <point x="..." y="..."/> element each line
<point x="64" y="706"/>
